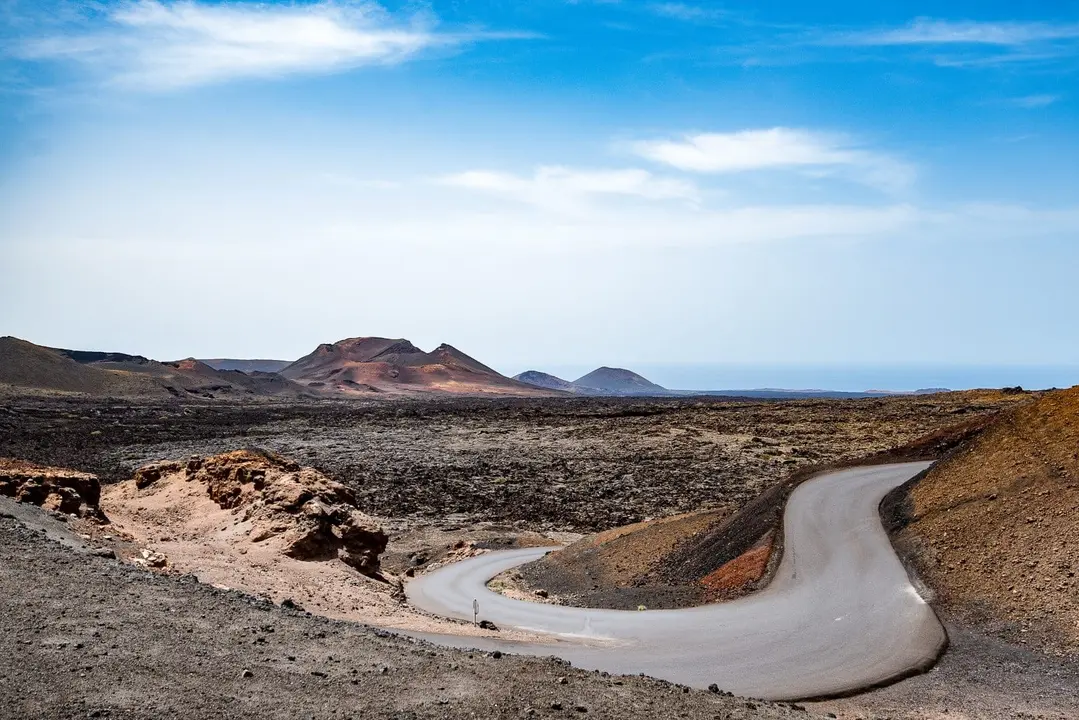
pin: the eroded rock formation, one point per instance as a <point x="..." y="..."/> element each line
<point x="311" y="516"/>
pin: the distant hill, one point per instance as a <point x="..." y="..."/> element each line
<point x="602" y="381"/>
<point x="619" y="381"/>
<point x="248" y="366"/>
<point x="370" y="365"/>
<point x="233" y="381"/>
<point x="552" y="382"/>
<point x="28" y="366"/>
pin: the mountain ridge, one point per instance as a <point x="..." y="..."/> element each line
<point x="373" y="365"/>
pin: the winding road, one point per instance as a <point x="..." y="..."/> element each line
<point x="840" y="614"/>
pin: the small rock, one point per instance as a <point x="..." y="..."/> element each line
<point x="556" y="705"/>
<point x="540" y="593"/>
<point x="248" y="674"/>
<point x="562" y="681"/>
<point x="496" y="654"/>
<point x="713" y="688"/>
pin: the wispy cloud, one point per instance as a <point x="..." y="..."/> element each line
<point x="564" y="188"/>
<point x="779" y="148"/>
<point x="928" y="31"/>
<point x="967" y="43"/>
<point x="158" y="44"/>
<point x="687" y="12"/>
<point x="1031" y="102"/>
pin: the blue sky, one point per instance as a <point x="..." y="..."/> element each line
<point x="545" y="184"/>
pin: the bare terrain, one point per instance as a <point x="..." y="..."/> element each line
<point x="994" y="529"/>
<point x="87" y="636"/>
<point x="444" y="479"/>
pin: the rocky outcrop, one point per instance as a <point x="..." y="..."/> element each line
<point x="67" y="491"/>
<point x="311" y="516"/>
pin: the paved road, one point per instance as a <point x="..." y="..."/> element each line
<point x="840" y="614"/>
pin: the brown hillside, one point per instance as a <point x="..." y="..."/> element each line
<point x="368" y="365"/>
<point x="26" y="365"/>
<point x="994" y="529"/>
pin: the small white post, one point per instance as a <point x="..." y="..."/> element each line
<point x="475" y="612"/>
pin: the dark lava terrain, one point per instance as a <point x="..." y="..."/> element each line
<point x="578" y="464"/>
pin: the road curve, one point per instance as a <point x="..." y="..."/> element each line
<point x="840" y="614"/>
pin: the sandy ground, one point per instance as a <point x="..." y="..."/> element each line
<point x="184" y="532"/>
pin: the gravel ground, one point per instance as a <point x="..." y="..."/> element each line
<point x="978" y="677"/>
<point x="85" y="636"/>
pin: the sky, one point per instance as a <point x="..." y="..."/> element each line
<point x="551" y="184"/>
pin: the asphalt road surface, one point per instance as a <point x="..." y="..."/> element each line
<point x="840" y="614"/>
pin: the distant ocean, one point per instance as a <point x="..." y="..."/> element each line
<point x="845" y="378"/>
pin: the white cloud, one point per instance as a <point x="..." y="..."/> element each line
<point x="779" y="148"/>
<point x="928" y="31"/>
<point x="564" y="188"/>
<point x="157" y="44"/>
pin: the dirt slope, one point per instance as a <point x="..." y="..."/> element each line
<point x="994" y="530"/>
<point x="608" y="569"/>
<point x="374" y="365"/>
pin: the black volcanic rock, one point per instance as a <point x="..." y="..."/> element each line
<point x="87" y="357"/>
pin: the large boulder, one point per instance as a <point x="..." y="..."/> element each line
<point x="59" y="489"/>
